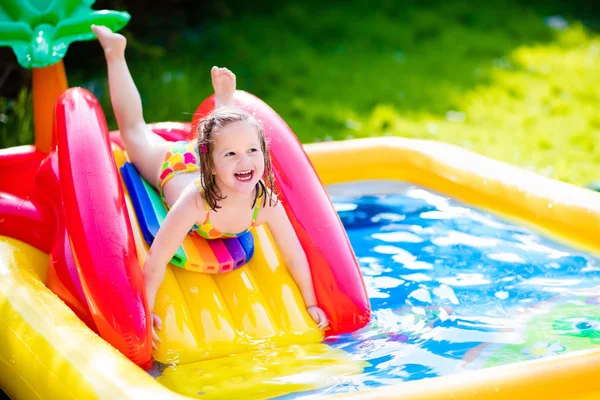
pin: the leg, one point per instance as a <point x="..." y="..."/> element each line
<point x="223" y="81"/>
<point x="145" y="149"/>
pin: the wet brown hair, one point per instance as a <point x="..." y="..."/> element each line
<point x="207" y="128"/>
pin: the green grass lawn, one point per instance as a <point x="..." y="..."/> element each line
<point x="493" y="77"/>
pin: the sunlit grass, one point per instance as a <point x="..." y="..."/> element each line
<point x="539" y="110"/>
<point x="491" y="77"/>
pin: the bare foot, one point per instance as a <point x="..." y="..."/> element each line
<point x="223" y="81"/>
<point x="112" y="43"/>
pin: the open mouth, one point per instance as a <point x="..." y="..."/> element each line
<point x="244" y="176"/>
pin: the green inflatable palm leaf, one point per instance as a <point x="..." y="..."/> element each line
<point x="40" y="31"/>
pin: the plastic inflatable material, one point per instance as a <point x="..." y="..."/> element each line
<point x="336" y="275"/>
<point x="63" y="277"/>
<point x="62" y="356"/>
<point x="18" y="166"/>
<point x="171" y="131"/>
<point x="195" y="254"/>
<point x="63" y="359"/>
<point x="207" y="316"/>
<point x="98" y="225"/>
<point x="40" y="32"/>
<point x="568" y="212"/>
<point x="27" y="220"/>
<point x="94" y="266"/>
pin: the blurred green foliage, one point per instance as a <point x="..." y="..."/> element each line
<point x="16" y="119"/>
<point x="516" y="82"/>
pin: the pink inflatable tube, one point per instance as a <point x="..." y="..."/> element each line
<point x="27" y="220"/>
<point x="98" y="225"/>
<point x="63" y="277"/>
<point x="336" y="275"/>
<point x="38" y="220"/>
<point x="18" y="166"/>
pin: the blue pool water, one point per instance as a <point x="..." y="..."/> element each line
<point x="454" y="288"/>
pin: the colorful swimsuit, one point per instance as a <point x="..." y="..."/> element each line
<point x="183" y="157"/>
<point x="208" y="231"/>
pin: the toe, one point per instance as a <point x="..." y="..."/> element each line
<point x="102" y="29"/>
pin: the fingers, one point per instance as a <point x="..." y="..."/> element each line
<point x="313" y="314"/>
<point x="157" y="321"/>
<point x="323" y="321"/>
<point x="155" y="339"/>
<point x="319" y="317"/>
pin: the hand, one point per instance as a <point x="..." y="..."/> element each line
<point x="156" y="322"/>
<point x="318" y="316"/>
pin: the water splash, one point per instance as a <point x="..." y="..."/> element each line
<point x="455" y="288"/>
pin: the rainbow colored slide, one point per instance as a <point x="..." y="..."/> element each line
<point x="215" y="322"/>
<point x="76" y="221"/>
<point x="95" y="217"/>
<point x="209" y="256"/>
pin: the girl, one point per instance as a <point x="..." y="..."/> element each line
<point x="215" y="188"/>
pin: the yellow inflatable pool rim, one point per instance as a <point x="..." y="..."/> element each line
<point x="48" y="353"/>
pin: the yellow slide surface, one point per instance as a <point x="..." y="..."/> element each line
<point x="241" y="334"/>
<point x="207" y="316"/>
<point x="46" y="352"/>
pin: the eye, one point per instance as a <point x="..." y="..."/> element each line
<point x="229" y="154"/>
<point x="253" y="150"/>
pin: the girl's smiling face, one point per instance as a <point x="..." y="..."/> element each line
<point x="238" y="160"/>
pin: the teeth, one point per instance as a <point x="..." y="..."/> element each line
<point x="244" y="175"/>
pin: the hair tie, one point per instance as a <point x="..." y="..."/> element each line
<point x="204" y="148"/>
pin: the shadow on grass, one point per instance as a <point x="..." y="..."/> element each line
<point x="319" y="67"/>
<point x="354" y="69"/>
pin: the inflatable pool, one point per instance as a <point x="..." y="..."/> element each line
<point x="444" y="273"/>
<point x="263" y="348"/>
<point x="86" y="218"/>
<point x="483" y="277"/>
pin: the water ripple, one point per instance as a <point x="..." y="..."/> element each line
<point x="452" y="288"/>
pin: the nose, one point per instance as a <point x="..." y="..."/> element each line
<point x="243" y="160"/>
